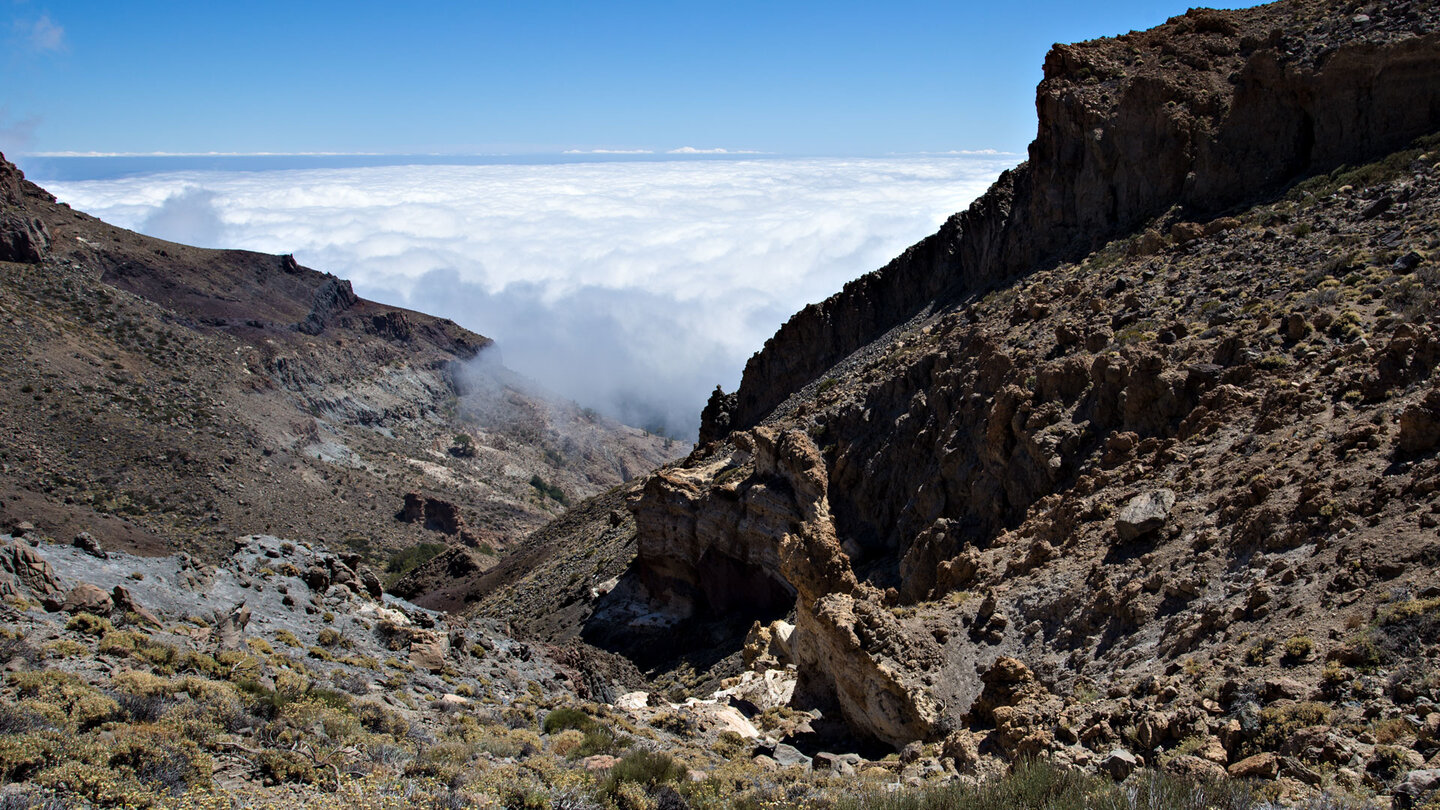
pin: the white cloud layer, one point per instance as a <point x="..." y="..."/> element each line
<point x="632" y="287"/>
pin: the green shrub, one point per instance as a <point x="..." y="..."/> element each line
<point x="280" y="766"/>
<point x="22" y="755"/>
<point x="1297" y="649"/>
<point x="1279" y="723"/>
<point x="89" y="624"/>
<point x="1259" y="651"/>
<point x="568" y="717"/>
<point x="406" y="560"/>
<point x="1037" y="785"/>
<point x="377" y="719"/>
<point x="64" y="697"/>
<point x="463" y="446"/>
<point x="599" y="740"/>
<point x="550" y="491"/>
<point x="647" y="768"/>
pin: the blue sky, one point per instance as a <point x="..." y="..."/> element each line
<point x="789" y="78"/>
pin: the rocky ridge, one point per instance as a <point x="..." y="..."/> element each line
<point x="1203" y="113"/>
<point x="1133" y="463"/>
<point x="165" y="397"/>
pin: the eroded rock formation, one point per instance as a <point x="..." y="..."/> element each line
<point x="994" y="465"/>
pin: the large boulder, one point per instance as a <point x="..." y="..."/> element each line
<point x="1144" y="514"/>
<point x="428" y="650"/>
<point x="23" y="240"/>
<point x="1260" y="766"/>
<point x="1119" y="764"/>
<point x="87" y="598"/>
<point x="25" y="573"/>
<point x="1420" y="425"/>
<point x="1415" y="785"/>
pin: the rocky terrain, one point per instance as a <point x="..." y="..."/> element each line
<point x="165" y="398"/>
<point x="282" y="676"/>
<point x="1132" y="464"/>
<point x="1122" y="490"/>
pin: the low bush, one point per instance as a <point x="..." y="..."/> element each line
<point x="64" y="699"/>
<point x="1279" y="722"/>
<point x="644" y="768"/>
<point x="1041" y="786"/>
<point x="568" y="717"/>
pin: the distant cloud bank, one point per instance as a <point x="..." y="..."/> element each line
<point x="690" y="150"/>
<point x="632" y="287"/>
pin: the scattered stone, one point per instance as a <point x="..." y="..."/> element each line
<point x="1260" y="766"/>
<point x="438" y="516"/>
<point x="1213" y="751"/>
<point x="1144" y="514"/>
<point x="1420" y="425"/>
<point x="1378" y="207"/>
<point x="317" y="578"/>
<point x="789" y="756"/>
<point x="86" y="598"/>
<point x="1296" y="327"/>
<point x="229" y="631"/>
<point x="839" y="764"/>
<point x="125" y="603"/>
<point x="1415" y="784"/>
<point x="767" y="646"/>
<point x="373" y="587"/>
<point x="599" y="762"/>
<point x="1408" y="262"/>
<point x="1285" y="689"/>
<point x="1119" y="764"/>
<point x="630" y="701"/>
<point x="1196" y="768"/>
<point x="428" y="650"/>
<point x="452" y="701"/>
<point x="23" y="572"/>
<point x="766" y="763"/>
<point x="88" y="544"/>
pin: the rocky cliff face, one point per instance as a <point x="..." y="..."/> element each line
<point x="1141" y="449"/>
<point x="1206" y="112"/>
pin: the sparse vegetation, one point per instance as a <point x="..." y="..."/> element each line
<point x="550" y="491"/>
<point x="408" y="559"/>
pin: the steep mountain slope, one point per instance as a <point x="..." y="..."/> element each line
<point x="1139" y="452"/>
<point x="1204" y="113"/>
<point x="161" y="396"/>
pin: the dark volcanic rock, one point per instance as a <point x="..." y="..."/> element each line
<point x="22" y="240"/>
<point x="1207" y="111"/>
<point x="332" y="297"/>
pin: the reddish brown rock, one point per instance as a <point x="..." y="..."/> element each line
<point x="86" y="598"/>
<point x="1260" y="766"/>
<point x="25" y="573"/>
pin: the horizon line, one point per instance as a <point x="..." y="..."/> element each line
<point x="684" y="151"/>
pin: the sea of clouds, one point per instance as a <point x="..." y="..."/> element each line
<point x="631" y="287"/>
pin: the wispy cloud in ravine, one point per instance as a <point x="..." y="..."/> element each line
<point x="633" y="287"/>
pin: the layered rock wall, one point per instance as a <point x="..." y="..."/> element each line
<point x="1203" y="113"/>
<point x="985" y="452"/>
